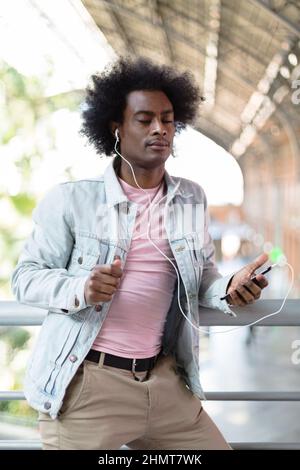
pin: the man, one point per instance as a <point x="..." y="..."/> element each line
<point x="116" y="362"/>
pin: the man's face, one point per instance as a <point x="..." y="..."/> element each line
<point x="147" y="131"/>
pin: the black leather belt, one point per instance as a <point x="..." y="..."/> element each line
<point x="135" y="365"/>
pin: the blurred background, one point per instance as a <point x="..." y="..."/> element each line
<point x="243" y="150"/>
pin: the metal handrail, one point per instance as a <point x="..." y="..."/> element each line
<point x="210" y="396"/>
<point x="13" y="314"/>
<point x="20" y="444"/>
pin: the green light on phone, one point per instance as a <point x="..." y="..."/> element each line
<point x="276" y="254"/>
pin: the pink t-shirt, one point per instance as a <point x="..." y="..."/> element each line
<point x="135" y="321"/>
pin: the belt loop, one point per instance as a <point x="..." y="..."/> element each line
<point x="133" y="366"/>
<point x="101" y="360"/>
<point x="133" y="371"/>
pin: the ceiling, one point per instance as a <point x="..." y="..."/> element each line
<point x="245" y="56"/>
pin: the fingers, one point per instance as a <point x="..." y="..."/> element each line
<point x="258" y="262"/>
<point x="113" y="269"/>
<point x="101" y="288"/>
<point x="261" y="281"/>
<point x="253" y="287"/>
<point x="95" y="298"/>
<point x="245" y="294"/>
<point x="241" y="297"/>
<point x="249" y="292"/>
<point x="96" y="292"/>
<point x="116" y="268"/>
<point x="105" y="279"/>
<point x="103" y="282"/>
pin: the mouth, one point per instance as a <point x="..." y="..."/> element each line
<point x="158" y="145"/>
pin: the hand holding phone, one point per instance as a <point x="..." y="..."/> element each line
<point x="253" y="279"/>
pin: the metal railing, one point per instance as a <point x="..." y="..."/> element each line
<point x="13" y="314"/>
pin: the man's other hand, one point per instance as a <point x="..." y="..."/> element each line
<point x="103" y="282"/>
<point x="242" y="290"/>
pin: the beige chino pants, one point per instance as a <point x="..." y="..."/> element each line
<point x="105" y="408"/>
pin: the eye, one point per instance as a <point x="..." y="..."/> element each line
<point x="145" y="122"/>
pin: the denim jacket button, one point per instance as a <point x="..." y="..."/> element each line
<point x="98" y="308"/>
<point x="80" y="260"/>
<point x="73" y="358"/>
<point x="47" y="405"/>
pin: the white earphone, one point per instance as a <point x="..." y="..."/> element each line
<point x="117" y="135"/>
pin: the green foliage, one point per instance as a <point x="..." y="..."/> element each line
<point x="24" y="203"/>
<point x="20" y="409"/>
<point x="16" y="339"/>
<point x="23" y="107"/>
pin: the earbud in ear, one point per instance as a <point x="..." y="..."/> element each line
<point x="117" y="134"/>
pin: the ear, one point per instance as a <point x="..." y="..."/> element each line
<point x="113" y="127"/>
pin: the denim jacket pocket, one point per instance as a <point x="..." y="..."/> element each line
<point x="88" y="261"/>
<point x="195" y="256"/>
<point x="82" y="261"/>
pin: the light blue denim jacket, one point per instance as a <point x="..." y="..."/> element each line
<point x="84" y="223"/>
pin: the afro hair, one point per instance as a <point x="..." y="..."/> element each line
<point x="106" y="97"/>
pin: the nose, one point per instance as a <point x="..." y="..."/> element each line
<point x="158" y="128"/>
<point x="159" y="131"/>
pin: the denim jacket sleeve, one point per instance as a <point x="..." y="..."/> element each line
<point x="213" y="285"/>
<point x="40" y="278"/>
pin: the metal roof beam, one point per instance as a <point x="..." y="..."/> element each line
<point x="222" y="66"/>
<point x="119" y="27"/>
<point x="292" y="27"/>
<point x="174" y="13"/>
<point x="240" y="48"/>
<point x="155" y="5"/>
<point x="260" y="106"/>
<point x="252" y="27"/>
<point x="182" y="14"/>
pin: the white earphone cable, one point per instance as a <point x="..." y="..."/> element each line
<point x="151" y="205"/>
